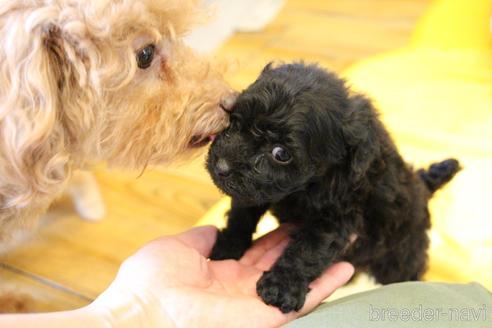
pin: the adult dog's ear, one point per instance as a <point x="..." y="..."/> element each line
<point x="361" y="131"/>
<point x="33" y="63"/>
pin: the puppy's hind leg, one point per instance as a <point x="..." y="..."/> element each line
<point x="86" y="196"/>
<point x="405" y="262"/>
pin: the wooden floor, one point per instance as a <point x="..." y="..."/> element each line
<point x="69" y="261"/>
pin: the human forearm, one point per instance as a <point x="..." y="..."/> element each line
<point x="111" y="309"/>
<point x="84" y="317"/>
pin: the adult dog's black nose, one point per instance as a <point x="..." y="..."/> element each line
<point x="222" y="168"/>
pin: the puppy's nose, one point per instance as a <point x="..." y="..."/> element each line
<point x="222" y="168"/>
<point x="227" y="103"/>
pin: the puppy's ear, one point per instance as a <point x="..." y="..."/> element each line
<point x="361" y="131"/>
<point x="33" y="156"/>
<point x="267" y="68"/>
<point x="323" y="136"/>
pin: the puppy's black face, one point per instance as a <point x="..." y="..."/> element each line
<point x="285" y="132"/>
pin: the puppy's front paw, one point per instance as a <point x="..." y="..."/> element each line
<point x="229" y="247"/>
<point x="285" y="291"/>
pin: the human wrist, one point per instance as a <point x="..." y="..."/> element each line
<point x="121" y="309"/>
<point x="79" y="318"/>
<point x="88" y="316"/>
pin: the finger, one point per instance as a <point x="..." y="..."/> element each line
<point x="200" y="238"/>
<point x="332" y="279"/>
<point x="268" y="259"/>
<point x="272" y="238"/>
<point x="265" y="243"/>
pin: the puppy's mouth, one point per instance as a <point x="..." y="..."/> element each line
<point x="199" y="141"/>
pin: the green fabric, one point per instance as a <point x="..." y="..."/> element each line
<point x="410" y="304"/>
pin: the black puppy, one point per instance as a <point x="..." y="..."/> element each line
<point x="300" y="145"/>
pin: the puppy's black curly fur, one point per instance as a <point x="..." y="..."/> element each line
<point x="300" y="145"/>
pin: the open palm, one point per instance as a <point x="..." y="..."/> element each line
<point x="180" y="287"/>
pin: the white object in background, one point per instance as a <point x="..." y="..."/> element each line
<point x="256" y="18"/>
<point x="230" y="16"/>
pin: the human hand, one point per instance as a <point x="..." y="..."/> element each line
<point x="170" y="283"/>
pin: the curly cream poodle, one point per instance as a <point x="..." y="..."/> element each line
<point x="97" y="80"/>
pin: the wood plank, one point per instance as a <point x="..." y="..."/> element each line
<point x="331" y="33"/>
<point x="339" y="36"/>
<point x="374" y="9"/>
<point x="27" y="293"/>
<point x="85" y="256"/>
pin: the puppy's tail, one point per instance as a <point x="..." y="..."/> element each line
<point x="438" y="174"/>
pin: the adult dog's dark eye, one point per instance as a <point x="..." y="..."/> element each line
<point x="281" y="155"/>
<point x="145" y="56"/>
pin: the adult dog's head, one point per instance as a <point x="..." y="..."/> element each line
<point x="92" y="80"/>
<point x="295" y="125"/>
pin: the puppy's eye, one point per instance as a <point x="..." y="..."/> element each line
<point x="145" y="56"/>
<point x="281" y="155"/>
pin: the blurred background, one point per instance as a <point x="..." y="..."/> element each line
<point x="426" y="64"/>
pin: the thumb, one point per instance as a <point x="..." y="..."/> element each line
<point x="332" y="279"/>
<point x="200" y="238"/>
